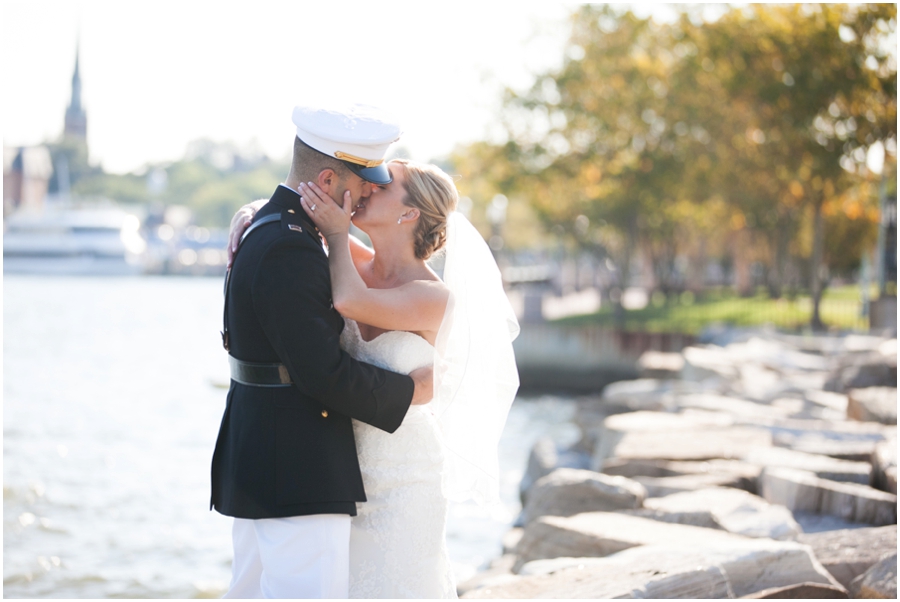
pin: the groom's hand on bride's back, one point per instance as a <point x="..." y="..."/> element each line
<point x="424" y="380"/>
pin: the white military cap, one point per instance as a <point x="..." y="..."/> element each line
<point x="358" y="135"/>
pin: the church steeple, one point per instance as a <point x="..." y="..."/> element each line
<point x="76" y="118"/>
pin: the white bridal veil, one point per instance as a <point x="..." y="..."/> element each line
<point x="475" y="376"/>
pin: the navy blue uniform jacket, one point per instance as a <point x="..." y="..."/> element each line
<point x="290" y="451"/>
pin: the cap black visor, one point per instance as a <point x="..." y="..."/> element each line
<point x="376" y="175"/>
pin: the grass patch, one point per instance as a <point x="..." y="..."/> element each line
<point x="840" y="309"/>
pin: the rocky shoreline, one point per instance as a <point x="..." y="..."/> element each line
<point x="764" y="468"/>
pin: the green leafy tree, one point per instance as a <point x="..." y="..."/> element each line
<point x="701" y="139"/>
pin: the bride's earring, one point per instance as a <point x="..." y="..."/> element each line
<point x="399" y="219"/>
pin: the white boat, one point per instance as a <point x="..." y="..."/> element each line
<point x="73" y="240"/>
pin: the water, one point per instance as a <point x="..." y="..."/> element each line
<point x="112" y="401"/>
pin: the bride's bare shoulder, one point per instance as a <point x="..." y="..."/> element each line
<point x="432" y="287"/>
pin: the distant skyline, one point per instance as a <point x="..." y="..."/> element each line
<point x="157" y="75"/>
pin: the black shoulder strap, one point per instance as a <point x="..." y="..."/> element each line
<point x="260" y="222"/>
<point x="273" y="217"/>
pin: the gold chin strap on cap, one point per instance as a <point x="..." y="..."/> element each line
<point x="358" y="160"/>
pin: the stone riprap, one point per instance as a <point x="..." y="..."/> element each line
<point x="542" y="460"/>
<point x="733" y="510"/>
<point x="613" y="439"/>
<point x="658" y="364"/>
<point x="801" y="591"/>
<point x="669" y="468"/>
<point x="700" y="443"/>
<point x="702" y="486"/>
<point x="853" y="449"/>
<point x="604" y="533"/>
<point x="569" y="491"/>
<point x="848" y="553"/>
<point x="873" y="404"/>
<point x="804" y="491"/>
<point x="659" y="487"/>
<point x="861" y="370"/>
<point x="884" y="464"/>
<point x="822" y="466"/>
<point x="880" y="581"/>
<point x="727" y="569"/>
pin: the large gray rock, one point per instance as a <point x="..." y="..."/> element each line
<point x="853" y="449"/>
<point x="801" y="591"/>
<point x="873" y="404"/>
<point x="734" y="510"/>
<point x="499" y="572"/>
<point x="604" y="533"/>
<point x="884" y="464"/>
<point x="738" y="408"/>
<point x="659" y="487"/>
<point x="849" y="553"/>
<point x="639" y="394"/>
<point x="861" y="370"/>
<point x="762" y="384"/>
<point x="811" y="522"/>
<point x="511" y="539"/>
<point x="846" y="440"/>
<point x="725" y="569"/>
<point x="701" y="363"/>
<point x="804" y="491"/>
<point x="695" y="518"/>
<point x="619" y="427"/>
<point x="541" y="462"/>
<point x="880" y="581"/>
<point x="627" y="467"/>
<point x="606" y="578"/>
<point x="698" y="443"/>
<point x="658" y="364"/>
<point x="799" y="407"/>
<point x="776" y="355"/>
<point x="568" y="491"/>
<point x="827" y="399"/>
<point x="645" y="394"/>
<point x="667" y="468"/>
<point x="822" y="466"/>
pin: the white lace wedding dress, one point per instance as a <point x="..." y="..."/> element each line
<point x="397" y="545"/>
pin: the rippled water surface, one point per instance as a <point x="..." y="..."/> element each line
<point x="112" y="400"/>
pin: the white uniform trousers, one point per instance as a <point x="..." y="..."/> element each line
<point x="292" y="557"/>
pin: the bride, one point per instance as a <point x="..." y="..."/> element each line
<point x="401" y="316"/>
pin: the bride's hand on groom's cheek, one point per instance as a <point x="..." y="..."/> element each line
<point x="330" y="218"/>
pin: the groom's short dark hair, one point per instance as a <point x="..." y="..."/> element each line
<point x="308" y="163"/>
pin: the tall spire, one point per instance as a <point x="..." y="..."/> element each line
<point x="76" y="118"/>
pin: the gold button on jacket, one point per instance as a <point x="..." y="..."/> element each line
<point x="324" y="413"/>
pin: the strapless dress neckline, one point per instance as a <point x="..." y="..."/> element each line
<point x="388" y="333"/>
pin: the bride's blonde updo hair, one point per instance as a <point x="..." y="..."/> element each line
<point x="433" y="193"/>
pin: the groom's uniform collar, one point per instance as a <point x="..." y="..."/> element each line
<point x="288" y="200"/>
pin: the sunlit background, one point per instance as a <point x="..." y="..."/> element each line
<point x="653" y="175"/>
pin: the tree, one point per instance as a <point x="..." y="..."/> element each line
<point x="698" y="139"/>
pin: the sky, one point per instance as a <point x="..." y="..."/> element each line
<point x="157" y="75"/>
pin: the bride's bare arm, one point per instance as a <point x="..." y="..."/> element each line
<point x="359" y="252"/>
<point x="416" y="306"/>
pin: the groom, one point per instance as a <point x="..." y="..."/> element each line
<point x="285" y="464"/>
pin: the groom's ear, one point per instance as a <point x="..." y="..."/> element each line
<point x="327" y="180"/>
